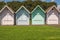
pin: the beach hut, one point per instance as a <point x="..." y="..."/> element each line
<point x="6" y="16"/>
<point x="38" y="16"/>
<point x="22" y="16"/>
<point x="52" y="16"/>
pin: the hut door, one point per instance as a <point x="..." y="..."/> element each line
<point x="7" y="20"/>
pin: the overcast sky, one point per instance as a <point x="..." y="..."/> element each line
<point x="57" y="1"/>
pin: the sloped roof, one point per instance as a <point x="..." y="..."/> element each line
<point x="22" y="7"/>
<point x="6" y="6"/>
<point x="50" y="8"/>
<point x="39" y="10"/>
<point x="37" y="7"/>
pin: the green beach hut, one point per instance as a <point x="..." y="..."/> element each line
<point x="38" y="16"/>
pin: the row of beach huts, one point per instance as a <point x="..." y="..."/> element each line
<point x="23" y="17"/>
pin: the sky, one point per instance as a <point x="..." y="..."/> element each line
<point x="57" y="1"/>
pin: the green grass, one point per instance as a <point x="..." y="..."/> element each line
<point x="29" y="33"/>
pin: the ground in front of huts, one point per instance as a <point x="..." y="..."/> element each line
<point x="30" y="32"/>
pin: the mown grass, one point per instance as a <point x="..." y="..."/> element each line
<point x="29" y="33"/>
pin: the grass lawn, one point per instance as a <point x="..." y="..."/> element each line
<point x="29" y="33"/>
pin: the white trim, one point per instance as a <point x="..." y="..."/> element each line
<point x="37" y="7"/>
<point x="52" y="8"/>
<point x="24" y="8"/>
<point x="7" y="7"/>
